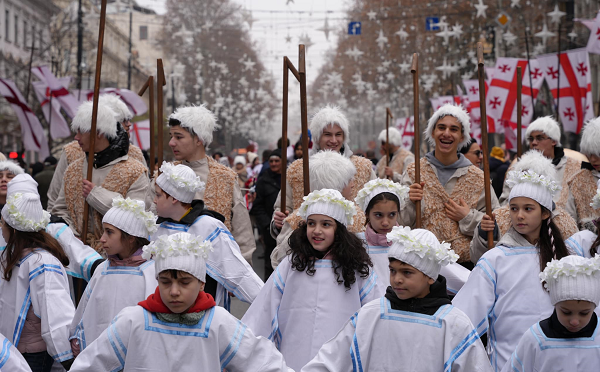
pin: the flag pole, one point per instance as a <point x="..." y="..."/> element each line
<point x="150" y="84"/>
<point x="520" y="111"/>
<point x="284" y="114"/>
<point x="304" y="115"/>
<point x="160" y="83"/>
<point x="388" y="116"/>
<point x="417" y="133"/>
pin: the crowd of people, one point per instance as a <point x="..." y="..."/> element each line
<point x="355" y="278"/>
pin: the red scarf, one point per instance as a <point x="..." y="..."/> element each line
<point x="154" y="303"/>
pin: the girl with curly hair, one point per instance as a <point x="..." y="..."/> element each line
<point x="324" y="280"/>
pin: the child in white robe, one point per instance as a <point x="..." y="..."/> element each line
<point x="125" y="279"/>
<point x="178" y="211"/>
<point x="566" y="341"/>
<point x="35" y="305"/>
<point x="503" y="295"/>
<point x="10" y="358"/>
<point x="325" y="279"/>
<point x="586" y="243"/>
<point x="179" y="328"/>
<point x="414" y="327"/>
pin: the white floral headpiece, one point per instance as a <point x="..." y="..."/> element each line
<point x="440" y="253"/>
<point x="582" y="266"/>
<point x="189" y="185"/>
<point x="137" y="209"/>
<point x="529" y="176"/>
<point x="181" y="244"/>
<point x="15" y="217"/>
<point x="377" y="186"/>
<point x="596" y="200"/>
<point x="332" y="204"/>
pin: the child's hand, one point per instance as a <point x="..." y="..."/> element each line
<point x="278" y="217"/>
<point x="415" y="193"/>
<point x="488" y="223"/>
<point x="455" y="211"/>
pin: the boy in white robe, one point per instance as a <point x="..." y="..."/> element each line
<point x="10" y="358"/>
<point x="179" y="328"/>
<point x="567" y="340"/>
<point x="414" y="327"/>
<point x="178" y="211"/>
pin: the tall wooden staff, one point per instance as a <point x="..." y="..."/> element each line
<point x="388" y="116"/>
<point x="90" y="160"/>
<point x="150" y="84"/>
<point x="484" y="141"/>
<point x="519" y="112"/>
<point x="300" y="75"/>
<point x="415" y="73"/>
<point x="160" y="83"/>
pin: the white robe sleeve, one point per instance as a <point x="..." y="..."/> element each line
<point x="478" y="296"/>
<point x="76" y="329"/>
<point x="81" y="257"/>
<point x="10" y="358"/>
<point x="371" y="289"/>
<point x="581" y="242"/>
<point x="52" y="304"/>
<point x="468" y="354"/>
<point x="335" y="354"/>
<point x="456" y="276"/>
<point x="523" y="358"/>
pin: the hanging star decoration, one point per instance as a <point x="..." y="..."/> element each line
<point x="325" y="29"/>
<point x="354" y="53"/>
<point x="509" y="38"/>
<point x="545" y="34"/>
<point x="446" y="69"/>
<point x="248" y="64"/>
<point x="457" y="30"/>
<point x="372" y="15"/>
<point x="556" y="15"/>
<point x="539" y="49"/>
<point x="481" y="8"/>
<point x="305" y="39"/>
<point x="404" y="67"/>
<point x="390" y="76"/>
<point x="402" y="34"/>
<point x="572" y="35"/>
<point x="288" y="39"/>
<point x="445" y="33"/>
<point x="381" y="39"/>
<point x="515" y="3"/>
<point x="249" y="19"/>
<point x="463" y="62"/>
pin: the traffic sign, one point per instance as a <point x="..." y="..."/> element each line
<point x="354" y="28"/>
<point x="430" y="22"/>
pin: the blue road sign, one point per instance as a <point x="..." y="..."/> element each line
<point x="429" y="23"/>
<point x="354" y="28"/>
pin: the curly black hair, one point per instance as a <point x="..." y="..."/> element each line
<point x="348" y="254"/>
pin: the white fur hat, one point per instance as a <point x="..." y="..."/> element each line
<point x="199" y="120"/>
<point x="450" y="110"/>
<point x="545" y="124"/>
<point x="117" y="105"/>
<point x="420" y="249"/>
<point x="105" y="125"/>
<point x="573" y="278"/>
<point x="395" y="136"/>
<point x="325" y="117"/>
<point x="590" y="138"/>
<point x="330" y="170"/>
<point x="179" y="181"/>
<point x="535" y="161"/>
<point x="181" y="251"/>
<point x="531" y="185"/>
<point x="130" y="216"/>
<point x="329" y="203"/>
<point x="378" y="186"/>
<point x="10" y="166"/>
<point x="239" y="160"/>
<point x="23" y="210"/>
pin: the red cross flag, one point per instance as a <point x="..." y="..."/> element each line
<point x="68" y="102"/>
<point x="58" y="125"/>
<point x="593" y="45"/>
<point x="140" y="134"/>
<point x="472" y="87"/>
<point x="32" y="132"/>
<point x="501" y="98"/>
<point x="135" y="103"/>
<point x="575" y="83"/>
<point x="407" y="127"/>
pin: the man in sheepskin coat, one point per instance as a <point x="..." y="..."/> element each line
<point x="399" y="157"/>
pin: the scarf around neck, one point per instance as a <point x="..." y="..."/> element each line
<point x="118" y="146"/>
<point x="133" y="260"/>
<point x="554" y="329"/>
<point x="154" y="303"/>
<point x="428" y="305"/>
<point x="375" y="239"/>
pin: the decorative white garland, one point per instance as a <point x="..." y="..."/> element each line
<point x="193" y="185"/>
<point x="180" y="244"/>
<point x="384" y="185"/>
<point x="596" y="200"/>
<point x="529" y="176"/>
<point x="556" y="268"/>
<point x="442" y="254"/>
<point x="19" y="221"/>
<point x="328" y="196"/>
<point x="133" y="206"/>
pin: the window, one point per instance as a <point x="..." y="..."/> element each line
<point x="16" y="29"/>
<point x="7" y="24"/>
<point x="143" y="32"/>
<point x="25" y="34"/>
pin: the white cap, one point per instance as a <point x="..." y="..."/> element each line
<point x="325" y="117"/>
<point x="7" y="165"/>
<point x="179" y="181"/>
<point x="420" y="249"/>
<point x="105" y="125"/>
<point x="378" y="186"/>
<point x="590" y="145"/>
<point x="23" y="210"/>
<point x="330" y="170"/>
<point x="394" y="134"/>
<point x="547" y="125"/>
<point x="329" y="203"/>
<point x="181" y="251"/>
<point x="239" y="160"/>
<point x="450" y="110"/>
<point x="115" y="103"/>
<point x="531" y="185"/>
<point x="573" y="278"/>
<point x="130" y="216"/>
<point x="199" y="120"/>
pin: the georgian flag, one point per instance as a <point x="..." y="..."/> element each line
<point x="135" y="103"/>
<point x="472" y="87"/>
<point x="575" y="83"/>
<point x="68" y="102"/>
<point x="32" y="132"/>
<point x="140" y="134"/>
<point x="593" y="45"/>
<point x="501" y="98"/>
<point x="406" y="126"/>
<point x="57" y="123"/>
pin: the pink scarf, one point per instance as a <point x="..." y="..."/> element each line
<point x="134" y="260"/>
<point x="375" y="239"/>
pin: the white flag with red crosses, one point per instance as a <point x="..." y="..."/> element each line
<point x="140" y="134"/>
<point x="593" y="45"/>
<point x="68" y="102"/>
<point x="58" y="125"/>
<point x="472" y="87"/>
<point x="571" y="87"/>
<point x="406" y="126"/>
<point x="501" y="97"/>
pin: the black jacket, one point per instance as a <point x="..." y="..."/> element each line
<point x="267" y="189"/>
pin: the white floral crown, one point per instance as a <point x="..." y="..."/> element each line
<point x="181" y="245"/>
<point x="133" y="206"/>
<point x="364" y="195"/>
<point x="596" y="200"/>
<point x="328" y="196"/>
<point x="557" y="268"/>
<point x="189" y="185"/>
<point x="442" y="254"/>
<point x="529" y="176"/>
<point x="19" y="221"/>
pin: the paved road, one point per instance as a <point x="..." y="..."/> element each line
<point x="238" y="308"/>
